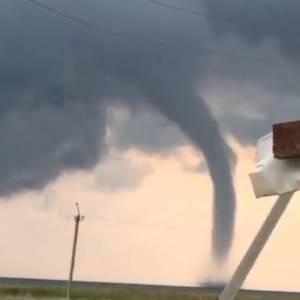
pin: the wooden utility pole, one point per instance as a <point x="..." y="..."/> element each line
<point x="78" y="218"/>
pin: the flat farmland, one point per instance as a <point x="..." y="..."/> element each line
<point x="29" y="289"/>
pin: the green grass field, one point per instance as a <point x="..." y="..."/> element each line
<point x="17" y="293"/>
<point x="93" y="294"/>
<point x="43" y="289"/>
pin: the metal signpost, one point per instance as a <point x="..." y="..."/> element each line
<point x="286" y="146"/>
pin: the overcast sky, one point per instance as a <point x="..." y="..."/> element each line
<point x="148" y="116"/>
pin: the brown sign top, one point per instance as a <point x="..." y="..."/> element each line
<point x="286" y="140"/>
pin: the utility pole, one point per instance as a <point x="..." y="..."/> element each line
<point x="78" y="218"/>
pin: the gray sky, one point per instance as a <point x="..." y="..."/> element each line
<point x="68" y="74"/>
<point x="231" y="68"/>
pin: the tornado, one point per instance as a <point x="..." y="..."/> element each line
<point x="194" y="118"/>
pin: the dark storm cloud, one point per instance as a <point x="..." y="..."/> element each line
<point x="57" y="78"/>
<point x="258" y="20"/>
<point x="147" y="131"/>
<point x="38" y="142"/>
<point x="271" y="29"/>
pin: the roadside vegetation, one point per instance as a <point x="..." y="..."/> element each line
<point x="42" y="293"/>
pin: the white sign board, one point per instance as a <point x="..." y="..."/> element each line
<point x="274" y="176"/>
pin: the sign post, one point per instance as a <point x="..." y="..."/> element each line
<point x="277" y="173"/>
<point x="256" y="247"/>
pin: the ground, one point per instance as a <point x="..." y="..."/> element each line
<point x="20" y="289"/>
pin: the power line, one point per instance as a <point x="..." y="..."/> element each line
<point x="222" y="18"/>
<point x="122" y="222"/>
<point x="146" y="42"/>
<point x="90" y="26"/>
<point x="218" y="17"/>
<point x="196" y="12"/>
<point x="132" y="222"/>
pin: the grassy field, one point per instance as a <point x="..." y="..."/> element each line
<point x="39" y="289"/>
<point x="96" y="294"/>
<point x="15" y="293"/>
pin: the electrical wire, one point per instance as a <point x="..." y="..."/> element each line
<point x="90" y="26"/>
<point x="228" y="19"/>
<point x="146" y="42"/>
<point x="132" y="223"/>
<point x="196" y="12"/>
<point x="118" y="221"/>
<point x="217" y="17"/>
